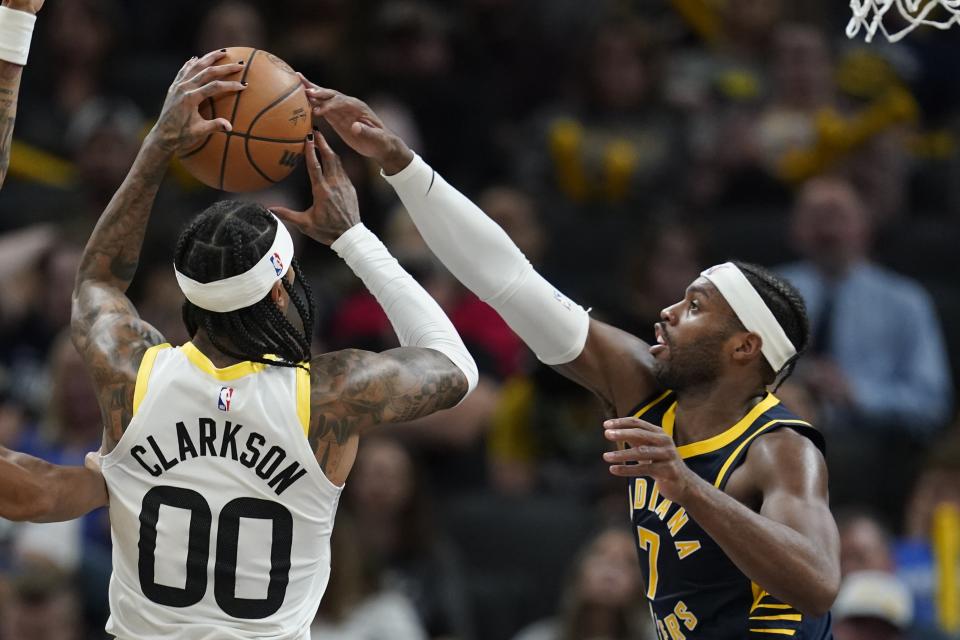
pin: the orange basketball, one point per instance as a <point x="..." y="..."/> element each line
<point x="270" y="119"/>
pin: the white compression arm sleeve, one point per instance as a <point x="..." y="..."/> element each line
<point x="483" y="257"/>
<point x="417" y="319"/>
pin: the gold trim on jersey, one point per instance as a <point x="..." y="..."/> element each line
<point x="621" y="445"/>
<point x="143" y="374"/>
<point x="736" y="452"/>
<point x="303" y="397"/>
<point x="226" y="374"/>
<point x="759" y="594"/>
<point x="651" y="404"/>
<point x="720" y="440"/>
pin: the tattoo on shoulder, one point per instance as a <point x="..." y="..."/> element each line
<point x="112" y="340"/>
<point x="352" y="390"/>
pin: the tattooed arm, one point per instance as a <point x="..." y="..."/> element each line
<point x="353" y="390"/>
<point x="10" y="74"/>
<point x="106" y="328"/>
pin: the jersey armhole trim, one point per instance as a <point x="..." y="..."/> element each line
<point x="736" y="452"/>
<point x="303" y="398"/>
<point x="648" y="404"/>
<point x="143" y="374"/>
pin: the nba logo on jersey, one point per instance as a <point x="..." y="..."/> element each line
<point x="223" y="400"/>
<point x="277" y="263"/>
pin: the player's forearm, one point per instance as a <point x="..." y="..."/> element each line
<point x="113" y="251"/>
<point x="781" y="560"/>
<point x="17" y="18"/>
<point x="35" y="490"/>
<point x="9" y="90"/>
<point x="484" y="258"/>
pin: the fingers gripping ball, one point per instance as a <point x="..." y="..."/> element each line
<point x="270" y="119"/>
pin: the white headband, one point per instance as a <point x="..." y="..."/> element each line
<point x="752" y="312"/>
<point x="247" y="288"/>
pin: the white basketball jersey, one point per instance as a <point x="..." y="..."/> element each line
<point x="219" y="513"/>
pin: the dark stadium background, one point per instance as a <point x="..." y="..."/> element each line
<point x="624" y="146"/>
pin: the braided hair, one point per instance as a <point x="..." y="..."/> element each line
<point x="225" y="240"/>
<point x="787" y="306"/>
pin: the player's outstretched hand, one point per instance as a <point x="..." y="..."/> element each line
<point x="650" y="452"/>
<point x="335" y="207"/>
<point x="180" y="125"/>
<point x="359" y="126"/>
<point x="30" y="6"/>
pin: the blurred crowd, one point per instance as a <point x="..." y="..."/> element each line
<point x="624" y="146"/>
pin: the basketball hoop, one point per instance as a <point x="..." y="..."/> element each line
<point x="870" y="14"/>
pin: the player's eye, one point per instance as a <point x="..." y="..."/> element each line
<point x="694" y="305"/>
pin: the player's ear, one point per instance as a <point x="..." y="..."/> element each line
<point x="748" y="347"/>
<point x="278" y="295"/>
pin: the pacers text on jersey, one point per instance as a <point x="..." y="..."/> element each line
<point x="207" y="438"/>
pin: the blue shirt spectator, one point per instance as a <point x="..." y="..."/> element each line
<point x="877" y="357"/>
<point x="886" y="341"/>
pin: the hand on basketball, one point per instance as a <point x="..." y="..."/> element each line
<point x="359" y="127"/>
<point x="335" y="207"/>
<point x="180" y="125"/>
<point x="30" y="6"/>
<point x="651" y="453"/>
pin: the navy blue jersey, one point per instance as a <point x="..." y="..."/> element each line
<point x="695" y="590"/>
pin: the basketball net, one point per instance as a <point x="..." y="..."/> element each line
<point x="869" y="15"/>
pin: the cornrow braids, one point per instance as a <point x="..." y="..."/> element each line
<point x="787" y="306"/>
<point x="227" y="239"/>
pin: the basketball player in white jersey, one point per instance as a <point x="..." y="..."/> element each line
<point x="225" y="457"/>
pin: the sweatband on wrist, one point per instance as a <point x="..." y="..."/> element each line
<point x="483" y="257"/>
<point x="16" y="30"/>
<point x="753" y="312"/>
<point x="243" y="289"/>
<point x="416" y="318"/>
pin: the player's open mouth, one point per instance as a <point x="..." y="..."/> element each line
<point x="661" y="344"/>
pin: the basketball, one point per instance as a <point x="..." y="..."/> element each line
<point x="270" y="119"/>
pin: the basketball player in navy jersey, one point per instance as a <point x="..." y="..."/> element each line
<point x="727" y="488"/>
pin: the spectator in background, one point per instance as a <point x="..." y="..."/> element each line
<point x="411" y="59"/>
<point x="865" y="544"/>
<point x="730" y="61"/>
<point x="35" y="300"/>
<point x="42" y="605"/>
<point x="318" y="38"/>
<point x="872" y="605"/>
<point x="603" y="596"/>
<point x="103" y="138"/>
<point x="396" y="530"/>
<point x="741" y="152"/>
<point x="600" y="159"/>
<point x="232" y="23"/>
<point x="613" y="144"/>
<point x="79" y="38"/>
<point x="877" y="362"/>
<point x="667" y="258"/>
<point x="934" y="503"/>
<point x="356" y="604"/>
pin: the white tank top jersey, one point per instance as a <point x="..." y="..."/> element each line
<point x="219" y="512"/>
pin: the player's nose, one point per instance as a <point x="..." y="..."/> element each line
<point x="668" y="314"/>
